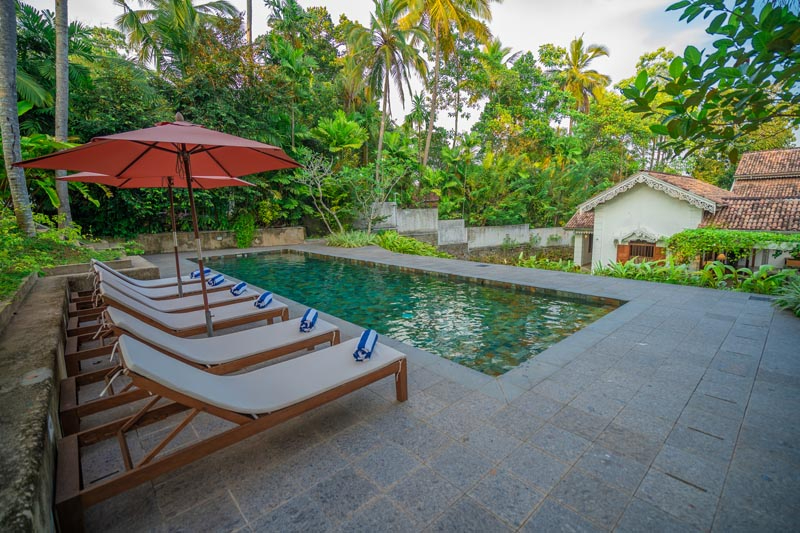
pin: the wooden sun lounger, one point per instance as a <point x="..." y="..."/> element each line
<point x="146" y="283"/>
<point x="218" y="355"/>
<point x="254" y="401"/>
<point x="162" y="292"/>
<point x="189" y="323"/>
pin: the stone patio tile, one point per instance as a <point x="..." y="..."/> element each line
<point x="424" y="494"/>
<point x="707" y="474"/>
<point x="467" y="516"/>
<point x="386" y="465"/>
<point x="366" y="403"/>
<point x="661" y="405"/>
<point x="552" y="517"/>
<point x="621" y="376"/>
<point x="560" y="443"/>
<point x="721" y="427"/>
<point x="769" y="493"/>
<point x="735" y="391"/>
<point x="264" y="490"/>
<point x="492" y="442"/>
<point x="507" y="497"/>
<point x="516" y="422"/>
<point x="597" y="403"/>
<point x="356" y="440"/>
<point x="181" y="491"/>
<point x="634" y="445"/>
<point x="641" y="516"/>
<point x="423" y="405"/>
<point x="481" y="405"/>
<point x="580" y="422"/>
<point x="535" y="466"/>
<point x="460" y="466"/>
<point x="315" y="464"/>
<point x="593" y="499"/>
<point x="420" y="379"/>
<point x="743" y="346"/>
<point x="448" y="391"/>
<point x="560" y="392"/>
<point x="705" y="445"/>
<point x="777" y="443"/>
<point x="134" y="510"/>
<point x="332" y="418"/>
<point x="537" y="405"/>
<point x="684" y="501"/>
<point x="462" y="375"/>
<point x="612" y="468"/>
<point x="718" y="406"/>
<point x="502" y="390"/>
<point x="643" y="423"/>
<point x="214" y="514"/>
<point x="379" y="515"/>
<point x="299" y="515"/>
<point x="456" y="420"/>
<point x="420" y="439"/>
<point x="734" y="363"/>
<point x="342" y="493"/>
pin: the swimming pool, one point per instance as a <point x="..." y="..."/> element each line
<point x="488" y="328"/>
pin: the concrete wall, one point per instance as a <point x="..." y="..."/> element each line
<point x="159" y="243"/>
<point x="545" y="237"/>
<point x="452" y="232"/>
<point x="641" y="208"/>
<point x="484" y="237"/>
<point x="388" y="212"/>
<point x="582" y="255"/>
<point x="417" y="220"/>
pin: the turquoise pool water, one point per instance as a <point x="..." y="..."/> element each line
<point x="487" y="328"/>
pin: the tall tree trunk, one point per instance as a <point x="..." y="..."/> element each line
<point x="458" y="99"/>
<point x="9" y="120"/>
<point x="383" y="124"/>
<point x="249" y="24"/>
<point x="434" y="103"/>
<point x="62" y="102"/>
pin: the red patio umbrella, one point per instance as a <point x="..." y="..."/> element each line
<point x="201" y="182"/>
<point x="179" y="148"/>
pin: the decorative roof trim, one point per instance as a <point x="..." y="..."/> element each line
<point x="654" y="183"/>
<point x="640" y="234"/>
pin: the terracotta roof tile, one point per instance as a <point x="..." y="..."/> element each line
<point x="756" y="214"/>
<point x="581" y="221"/>
<point x="698" y="187"/>
<point x="767" y="188"/>
<point x="785" y="162"/>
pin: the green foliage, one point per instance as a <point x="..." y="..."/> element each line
<point x="21" y="255"/>
<point x="395" y="242"/>
<point x="688" y="244"/>
<point x="544" y="263"/>
<point x="748" y="79"/>
<point x="715" y="274"/>
<point x="245" y="228"/>
<point x="350" y="239"/>
<point x="789" y="296"/>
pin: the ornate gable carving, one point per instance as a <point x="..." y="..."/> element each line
<point x="655" y="184"/>
<point x="640" y="234"/>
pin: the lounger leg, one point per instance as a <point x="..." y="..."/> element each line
<point x="69" y="508"/>
<point x="401" y="382"/>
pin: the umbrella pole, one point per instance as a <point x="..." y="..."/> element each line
<point x="187" y="169"/>
<point x="175" y="236"/>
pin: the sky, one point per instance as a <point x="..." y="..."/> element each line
<point x="629" y="28"/>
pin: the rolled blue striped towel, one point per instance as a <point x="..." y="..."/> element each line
<point x="366" y="344"/>
<point x="239" y="288"/>
<point x="196" y="273"/>
<point x="264" y="300"/>
<point x="216" y="280"/>
<point x="309" y="320"/>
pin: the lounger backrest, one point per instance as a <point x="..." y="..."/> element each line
<point x="100" y="266"/>
<point x="107" y="291"/>
<point x="121" y="287"/>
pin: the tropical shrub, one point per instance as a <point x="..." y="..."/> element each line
<point x="245" y="228"/>
<point x="688" y="244"/>
<point x="350" y="239"/>
<point x="395" y="242"/>
<point x="789" y="296"/>
<point x="544" y="263"/>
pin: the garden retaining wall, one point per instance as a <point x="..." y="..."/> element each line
<point x="161" y="243"/>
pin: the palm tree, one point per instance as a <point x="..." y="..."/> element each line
<point x="62" y="102"/>
<point x="9" y="121"/>
<point x="496" y="58"/>
<point x="444" y="19"/>
<point x="384" y="51"/>
<point x="577" y="79"/>
<point x="167" y="32"/>
<point x="417" y="118"/>
<point x="299" y="69"/>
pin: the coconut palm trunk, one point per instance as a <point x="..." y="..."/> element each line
<point x="62" y="102"/>
<point x="383" y="124"/>
<point x="9" y="120"/>
<point x="249" y="27"/>
<point x="434" y="103"/>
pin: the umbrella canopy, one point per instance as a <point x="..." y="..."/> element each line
<point x="153" y="152"/>
<point x="199" y="182"/>
<point x="170" y="149"/>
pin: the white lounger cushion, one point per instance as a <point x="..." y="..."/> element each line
<point x="172" y="305"/>
<point x="168" y="292"/>
<point x="222" y="348"/>
<point x="261" y="391"/>
<point x="191" y="319"/>
<point x="148" y="283"/>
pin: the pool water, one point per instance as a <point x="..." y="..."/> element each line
<point x="487" y="328"/>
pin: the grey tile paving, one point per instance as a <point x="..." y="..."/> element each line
<point x="679" y="411"/>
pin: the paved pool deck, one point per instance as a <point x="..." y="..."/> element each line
<point x="678" y="411"/>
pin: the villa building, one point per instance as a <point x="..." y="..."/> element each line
<point x="635" y="217"/>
